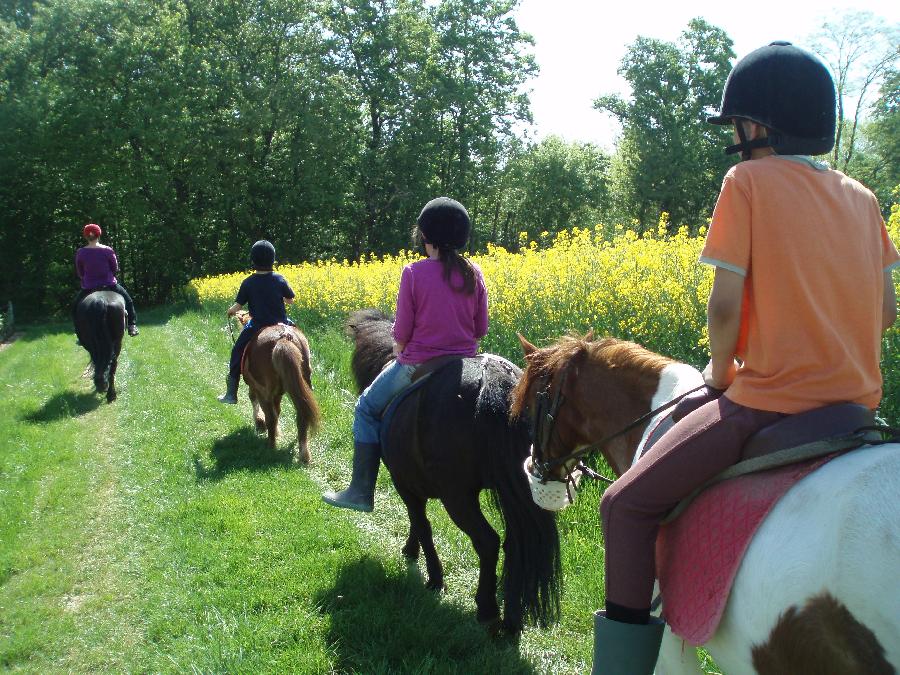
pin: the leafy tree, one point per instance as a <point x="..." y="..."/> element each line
<point x="860" y="50"/>
<point x="876" y="161"/>
<point x="550" y="186"/>
<point x="438" y="89"/>
<point x="668" y="158"/>
<point x="189" y="128"/>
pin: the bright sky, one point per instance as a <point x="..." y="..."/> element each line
<point x="580" y="44"/>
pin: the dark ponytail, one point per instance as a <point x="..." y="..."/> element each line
<point x="451" y="259"/>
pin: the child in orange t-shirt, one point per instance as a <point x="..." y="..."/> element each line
<point x="801" y="296"/>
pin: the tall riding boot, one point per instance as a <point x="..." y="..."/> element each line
<point x="625" y="648"/>
<point x="360" y="494"/>
<point x="230" y="396"/>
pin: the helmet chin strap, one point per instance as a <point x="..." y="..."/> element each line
<point x="746" y="147"/>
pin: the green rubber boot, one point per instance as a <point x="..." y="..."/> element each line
<point x="230" y="396"/>
<point x="360" y="494"/>
<point x="625" y="648"/>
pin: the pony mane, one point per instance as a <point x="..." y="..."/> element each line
<point x="370" y="330"/>
<point x="608" y="352"/>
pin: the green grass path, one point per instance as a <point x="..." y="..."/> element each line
<point x="159" y="534"/>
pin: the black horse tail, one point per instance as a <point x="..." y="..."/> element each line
<point x="288" y="358"/>
<point x="100" y="341"/>
<point x="532" y="568"/>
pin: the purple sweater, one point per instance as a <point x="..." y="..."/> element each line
<point x="435" y="320"/>
<point x="96" y="266"/>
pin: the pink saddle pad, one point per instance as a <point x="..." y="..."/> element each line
<point x="698" y="554"/>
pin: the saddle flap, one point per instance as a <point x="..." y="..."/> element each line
<point x="831" y="420"/>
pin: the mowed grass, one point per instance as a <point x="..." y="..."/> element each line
<point x="160" y="534"/>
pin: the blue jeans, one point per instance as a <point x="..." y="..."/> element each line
<point x="372" y="402"/>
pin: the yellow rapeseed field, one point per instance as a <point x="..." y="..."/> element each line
<point x="647" y="288"/>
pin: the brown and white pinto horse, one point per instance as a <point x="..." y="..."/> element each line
<point x="818" y="589"/>
<point x="277" y="361"/>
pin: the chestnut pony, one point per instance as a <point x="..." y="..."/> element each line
<point x="449" y="439"/>
<point x="817" y="590"/>
<point x="100" y="325"/>
<point x="276" y="362"/>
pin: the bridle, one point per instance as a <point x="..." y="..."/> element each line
<point x="543" y="427"/>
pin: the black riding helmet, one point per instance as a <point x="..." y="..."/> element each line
<point x="444" y="222"/>
<point x="262" y="255"/>
<point x="790" y="92"/>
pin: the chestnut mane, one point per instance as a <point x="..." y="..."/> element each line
<point x="608" y="352"/>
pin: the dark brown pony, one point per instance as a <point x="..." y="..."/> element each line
<point x="450" y="439"/>
<point x="277" y="361"/>
<point x="832" y="607"/>
<point x="100" y="325"/>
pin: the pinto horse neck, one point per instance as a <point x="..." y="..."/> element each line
<point x="608" y="384"/>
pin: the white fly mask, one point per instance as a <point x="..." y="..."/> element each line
<point x="552" y="494"/>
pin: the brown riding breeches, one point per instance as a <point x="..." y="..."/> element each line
<point x="697" y="448"/>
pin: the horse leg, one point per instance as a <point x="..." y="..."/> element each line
<point x="259" y="419"/>
<point x="271" y="414"/>
<point x="676" y="657"/>
<point x="111" y="393"/>
<point x="420" y="534"/>
<point x="302" y="433"/>
<point x="411" y="548"/>
<point x="465" y="511"/>
<point x="276" y="406"/>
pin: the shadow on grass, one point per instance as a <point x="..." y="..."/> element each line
<point x="243" y="450"/>
<point x="390" y="623"/>
<point x="63" y="405"/>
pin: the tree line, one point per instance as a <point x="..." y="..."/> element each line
<point x="190" y="128"/>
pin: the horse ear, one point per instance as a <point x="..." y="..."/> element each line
<point x="590" y="335"/>
<point x="527" y="347"/>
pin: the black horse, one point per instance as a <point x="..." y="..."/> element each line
<point x="100" y="325"/>
<point x="450" y="439"/>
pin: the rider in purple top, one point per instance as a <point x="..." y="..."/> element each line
<point x="441" y="311"/>
<point x="97" y="267"/>
<point x="433" y="317"/>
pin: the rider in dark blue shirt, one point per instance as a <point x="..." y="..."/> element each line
<point x="265" y="294"/>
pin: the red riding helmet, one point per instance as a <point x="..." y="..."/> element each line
<point x="92" y="230"/>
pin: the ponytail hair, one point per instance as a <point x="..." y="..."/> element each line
<point x="451" y="259"/>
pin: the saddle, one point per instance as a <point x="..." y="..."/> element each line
<point x="700" y="546"/>
<point x="418" y="379"/>
<point x="259" y="329"/>
<point x="838" y="419"/>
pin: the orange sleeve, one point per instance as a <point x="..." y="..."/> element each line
<point x="728" y="240"/>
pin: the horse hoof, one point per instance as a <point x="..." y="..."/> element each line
<point x="411" y="553"/>
<point x="435" y="585"/>
<point x="493" y="627"/>
<point x="510" y="631"/>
